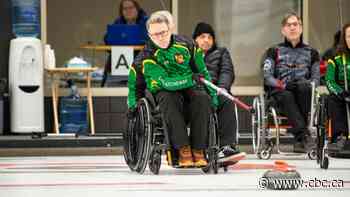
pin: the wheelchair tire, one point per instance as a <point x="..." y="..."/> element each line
<point x="130" y="145"/>
<point x="212" y="152"/>
<point x="213" y="165"/>
<point x="324" y="163"/>
<point x="321" y="140"/>
<point x="155" y="161"/>
<point x="256" y="124"/>
<point x="145" y="135"/>
<point x="264" y="154"/>
<point x="312" y="154"/>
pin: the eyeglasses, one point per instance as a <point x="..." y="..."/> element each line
<point x="159" y="34"/>
<point x="295" y="24"/>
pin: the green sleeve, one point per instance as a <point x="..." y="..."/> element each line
<point x="199" y="61"/>
<point x="158" y="79"/>
<point x="331" y="83"/>
<point x="132" y="88"/>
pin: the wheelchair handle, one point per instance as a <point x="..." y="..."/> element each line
<point x="221" y="91"/>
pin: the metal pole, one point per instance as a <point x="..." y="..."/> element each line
<point x="340" y="10"/>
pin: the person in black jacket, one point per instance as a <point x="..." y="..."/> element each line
<point x="219" y="64"/>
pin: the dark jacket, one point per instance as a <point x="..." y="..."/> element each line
<point x="285" y="64"/>
<point x="219" y="64"/>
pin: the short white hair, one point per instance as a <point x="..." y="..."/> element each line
<point x="162" y="16"/>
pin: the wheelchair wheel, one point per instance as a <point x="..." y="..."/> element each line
<point x="257" y="124"/>
<point x="312" y="154"/>
<point x="212" y="152"/>
<point x="264" y="154"/>
<point x="155" y="161"/>
<point x="130" y="145"/>
<point x="143" y="135"/>
<point x="321" y="157"/>
<point x="325" y="163"/>
<point x="213" y="165"/>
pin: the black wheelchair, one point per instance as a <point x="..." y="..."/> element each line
<point x="147" y="138"/>
<point x="324" y="135"/>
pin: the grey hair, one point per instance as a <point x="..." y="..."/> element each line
<point x="157" y="17"/>
<point x="167" y="14"/>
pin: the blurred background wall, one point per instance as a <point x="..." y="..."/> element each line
<point x="73" y="23"/>
<point x="246" y="28"/>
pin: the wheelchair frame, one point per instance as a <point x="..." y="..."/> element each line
<point x="324" y="133"/>
<point x="262" y="137"/>
<point x="322" y="138"/>
<point x="322" y="142"/>
<point x="144" y="146"/>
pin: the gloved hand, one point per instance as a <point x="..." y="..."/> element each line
<point x="292" y="85"/>
<point x="280" y="85"/>
<point x="198" y="84"/>
<point x="131" y="113"/>
<point x="345" y="95"/>
<point x="196" y="77"/>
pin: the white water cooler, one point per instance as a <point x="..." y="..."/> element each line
<point x="26" y="85"/>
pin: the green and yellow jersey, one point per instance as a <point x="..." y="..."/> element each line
<point x="172" y="69"/>
<point x="335" y="73"/>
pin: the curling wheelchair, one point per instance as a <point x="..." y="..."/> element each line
<point x="268" y="122"/>
<point x="147" y="138"/>
<point x="324" y="136"/>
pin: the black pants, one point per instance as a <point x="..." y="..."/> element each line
<point x="227" y="121"/>
<point x="295" y="104"/>
<point x="337" y="113"/>
<point x="196" y="105"/>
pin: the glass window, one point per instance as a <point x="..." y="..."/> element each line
<point x="246" y="28"/>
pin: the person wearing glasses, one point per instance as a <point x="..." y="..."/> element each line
<point x="136" y="80"/>
<point x="288" y="69"/>
<point x="130" y="13"/>
<point x="170" y="69"/>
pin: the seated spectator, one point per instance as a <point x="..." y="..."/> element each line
<point x="130" y="13"/>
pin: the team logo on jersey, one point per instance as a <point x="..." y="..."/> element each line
<point x="179" y="58"/>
